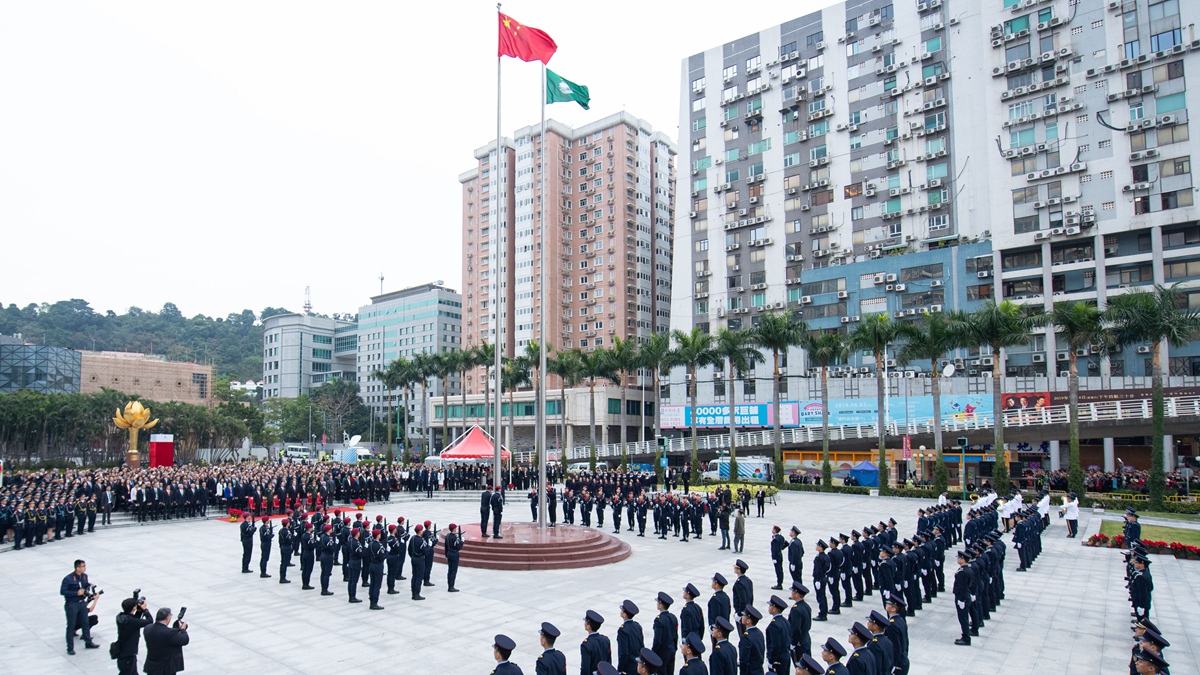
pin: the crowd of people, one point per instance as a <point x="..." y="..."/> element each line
<point x="1095" y="480"/>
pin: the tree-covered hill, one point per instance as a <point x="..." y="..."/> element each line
<point x="233" y="344"/>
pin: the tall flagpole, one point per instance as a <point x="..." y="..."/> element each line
<point x="540" y="417"/>
<point x="496" y="276"/>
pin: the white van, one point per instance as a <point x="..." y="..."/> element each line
<point x="576" y="467"/>
<point x="749" y="469"/>
<point x="298" y="452"/>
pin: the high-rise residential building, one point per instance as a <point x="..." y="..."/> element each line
<point x="301" y="352"/>
<point x="926" y="156"/>
<point x="609" y="209"/>
<point x="424" y="319"/>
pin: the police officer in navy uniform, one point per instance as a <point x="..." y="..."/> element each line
<point x="743" y="588"/>
<point x="778" y="546"/>
<point x="862" y="660"/>
<point x="724" y="658"/>
<point x="718" y="605"/>
<point x="820" y="574"/>
<point x="666" y="633"/>
<point x="649" y="663"/>
<point x="964" y="590"/>
<point x="800" y="618"/>
<point x="778" y="636"/>
<point x="502" y="649"/>
<point x="551" y="661"/>
<point x="630" y="639"/>
<point x="807" y="665"/>
<point x="692" y="648"/>
<point x="880" y="644"/>
<point x="752" y="645"/>
<point x="897" y="632"/>
<point x="795" y="554"/>
<point x="831" y="653"/>
<point x="691" y="618"/>
<point x="595" y="648"/>
<point x="454" y="544"/>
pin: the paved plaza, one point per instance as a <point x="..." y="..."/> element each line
<point x="1069" y="614"/>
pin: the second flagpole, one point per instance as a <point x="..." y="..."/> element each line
<point x="540" y="417"/>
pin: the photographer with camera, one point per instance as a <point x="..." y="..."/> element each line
<point x="164" y="643"/>
<point x="133" y="618"/>
<point x="77" y="593"/>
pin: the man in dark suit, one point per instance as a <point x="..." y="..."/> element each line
<point x="130" y="622"/>
<point x="164" y="645"/>
<point x="485" y="510"/>
<point x="497" y="509"/>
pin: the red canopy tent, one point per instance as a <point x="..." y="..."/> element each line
<point x="475" y="444"/>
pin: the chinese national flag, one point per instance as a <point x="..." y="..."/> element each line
<point x="523" y="42"/>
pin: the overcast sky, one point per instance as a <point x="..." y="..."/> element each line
<point x="223" y="155"/>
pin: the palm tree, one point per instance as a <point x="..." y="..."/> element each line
<point x="425" y="367"/>
<point x="1157" y="317"/>
<point x="397" y="374"/>
<point x="778" y="333"/>
<point x="654" y="355"/>
<point x="485" y="355"/>
<point x="593" y="365"/>
<point x="622" y="358"/>
<point x="825" y="350"/>
<point x="874" y="335"/>
<point x="514" y="376"/>
<point x="1079" y="325"/>
<point x="568" y="366"/>
<point x="444" y="365"/>
<point x="999" y="326"/>
<point x="532" y="357"/>
<point x="931" y="341"/>
<point x="694" y="350"/>
<point x="736" y="348"/>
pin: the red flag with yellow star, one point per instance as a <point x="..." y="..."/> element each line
<point x="523" y="42"/>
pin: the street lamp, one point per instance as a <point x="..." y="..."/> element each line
<point x="923" y="455"/>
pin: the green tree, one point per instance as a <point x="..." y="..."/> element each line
<point x="594" y="365"/>
<point x="931" y="340"/>
<point x="778" y="332"/>
<point x="825" y="350"/>
<point x="622" y="358"/>
<point x="445" y="364"/>
<point x="1079" y="325"/>
<point x="735" y="349"/>
<point x="874" y="334"/>
<point x="655" y="356"/>
<point x="1160" y="318"/>
<point x="568" y="366"/>
<point x="694" y="351"/>
<point x="998" y="326"/>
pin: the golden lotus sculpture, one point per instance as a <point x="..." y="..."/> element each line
<point x="134" y="418"/>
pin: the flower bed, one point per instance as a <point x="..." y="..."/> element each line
<point x="1175" y="548"/>
<point x="360" y="503"/>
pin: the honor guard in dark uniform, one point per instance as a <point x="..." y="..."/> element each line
<point x="354" y="560"/>
<point x="897" y="632"/>
<point x="1141" y="588"/>
<point x="395" y="559"/>
<point x="308" y="555"/>
<point x="666" y="632"/>
<point x="691" y="618"/>
<point x="378" y="556"/>
<point x="800" y="619"/>
<point x="724" y="658"/>
<point x="778" y="637"/>
<point x="247" y="532"/>
<point x="719" y="604"/>
<point x="964" y="595"/>
<point x="266" y="533"/>
<point x="641" y="509"/>
<point x="743" y="588"/>
<point x="880" y="644"/>
<point x="326" y="550"/>
<point x="862" y="660"/>
<point x="820" y="578"/>
<point x="778" y="546"/>
<point x="430" y="548"/>
<point x="551" y="661"/>
<point x="693" y="649"/>
<point x="285" y="549"/>
<point x="832" y="653"/>
<point x="453" y="544"/>
<point x="595" y="648"/>
<point x="416" y="554"/>
<point x="752" y="646"/>
<point x="502" y="649"/>
<point x="630" y="639"/>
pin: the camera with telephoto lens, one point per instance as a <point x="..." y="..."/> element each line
<point x="137" y="596"/>
<point x="92" y="592"/>
<point x="182" y="613"/>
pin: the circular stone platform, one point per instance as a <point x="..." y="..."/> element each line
<point x="524" y="546"/>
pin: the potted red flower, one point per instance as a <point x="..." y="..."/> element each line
<point x="1097" y="539"/>
<point x="360" y="503"/>
<point x="234" y="514"/>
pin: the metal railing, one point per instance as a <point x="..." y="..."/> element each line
<point x="1105" y="411"/>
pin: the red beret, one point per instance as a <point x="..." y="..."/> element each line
<point x="266" y="519"/>
<point x="417" y="528"/>
<point x="400" y="519"/>
<point x="285" y="521"/>
<point x="453" y="526"/>
<point x="338" y="512"/>
<point x="354" y="532"/>
<point x="427" y="524"/>
<point x="775" y="529"/>
<point x="392" y="528"/>
<point x="308" y="526"/>
<point x="346" y="521"/>
<point x="378" y="517"/>
<point x="328" y="528"/>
